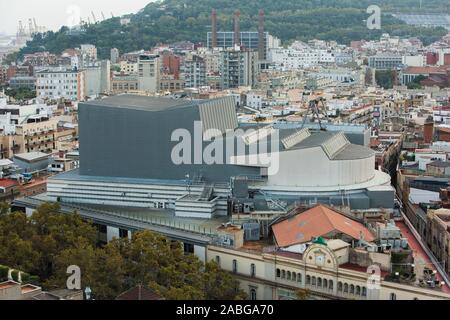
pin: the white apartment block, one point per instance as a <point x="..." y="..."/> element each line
<point x="292" y="58"/>
<point x="56" y="84"/>
<point x="255" y="100"/>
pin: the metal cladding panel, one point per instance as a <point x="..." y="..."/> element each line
<point x="218" y="114"/>
<point x="359" y="202"/>
<point x="134" y="143"/>
<point x="382" y="198"/>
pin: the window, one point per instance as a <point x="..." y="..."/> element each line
<point x="319" y="282"/>
<point x="308" y="279"/>
<point x="253" y="270"/>
<point x="283" y="274"/>
<point x="352" y="289"/>
<point x="294" y="276"/>
<point x="325" y="283"/>
<point x="364" y="291"/>
<point x="358" y="290"/>
<point x="278" y="273"/>
<point x="299" y="277"/>
<point x="313" y="281"/>
<point x="340" y="286"/>
<point x="188" y="248"/>
<point x="288" y="275"/>
<point x="235" y="266"/>
<point x="330" y="285"/>
<point x="253" y="294"/>
<point x="345" y="288"/>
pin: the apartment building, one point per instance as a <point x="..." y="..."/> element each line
<point x="128" y="67"/>
<point x="321" y="270"/>
<point x="170" y="83"/>
<point x="149" y="73"/>
<point x="194" y="71"/>
<point x="238" y="68"/>
<point x="57" y="84"/>
<point x="37" y="134"/>
<point x="124" y="83"/>
<point x="438" y="235"/>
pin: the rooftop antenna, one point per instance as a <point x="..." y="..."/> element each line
<point x="30" y="26"/>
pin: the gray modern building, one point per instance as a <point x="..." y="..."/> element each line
<point x="130" y="156"/>
<point x="238" y="68"/>
<point x="385" y="61"/>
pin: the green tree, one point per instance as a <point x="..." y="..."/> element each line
<point x="102" y="269"/>
<point x="385" y="78"/>
<point x="55" y="232"/>
<point x="303" y="294"/>
<point x="220" y="285"/>
<point x="415" y="84"/>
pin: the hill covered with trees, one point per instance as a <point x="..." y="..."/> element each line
<point x="177" y="20"/>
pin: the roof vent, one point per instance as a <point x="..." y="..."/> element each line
<point x="295" y="138"/>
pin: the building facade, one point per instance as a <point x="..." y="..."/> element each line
<point x="57" y="84"/>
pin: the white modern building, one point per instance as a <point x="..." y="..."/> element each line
<point x="59" y="83"/>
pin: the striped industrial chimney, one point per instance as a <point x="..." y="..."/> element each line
<point x="261" y="37"/>
<point x="214" y="29"/>
<point x="237" y="32"/>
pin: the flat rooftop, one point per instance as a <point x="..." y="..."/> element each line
<point x="159" y="220"/>
<point x="143" y="103"/>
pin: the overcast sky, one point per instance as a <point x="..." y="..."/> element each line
<point x="55" y="13"/>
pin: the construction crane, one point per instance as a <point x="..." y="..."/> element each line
<point x="103" y="16"/>
<point x="21" y="29"/>
<point x="317" y="108"/>
<point x="93" y="16"/>
<point x="30" y="26"/>
<point x="36" y="28"/>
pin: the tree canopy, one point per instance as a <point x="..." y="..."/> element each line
<point x="47" y="242"/>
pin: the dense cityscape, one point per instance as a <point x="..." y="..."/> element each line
<point x="240" y="166"/>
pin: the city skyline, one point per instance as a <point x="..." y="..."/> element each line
<point x="64" y="12"/>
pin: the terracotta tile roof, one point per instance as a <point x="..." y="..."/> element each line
<point x="444" y="129"/>
<point x="138" y="293"/>
<point x="316" y="222"/>
<point x="424" y="70"/>
<point x="8" y="183"/>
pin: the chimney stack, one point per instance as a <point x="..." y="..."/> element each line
<point x="237" y="32"/>
<point x="214" y="29"/>
<point x="261" y="36"/>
